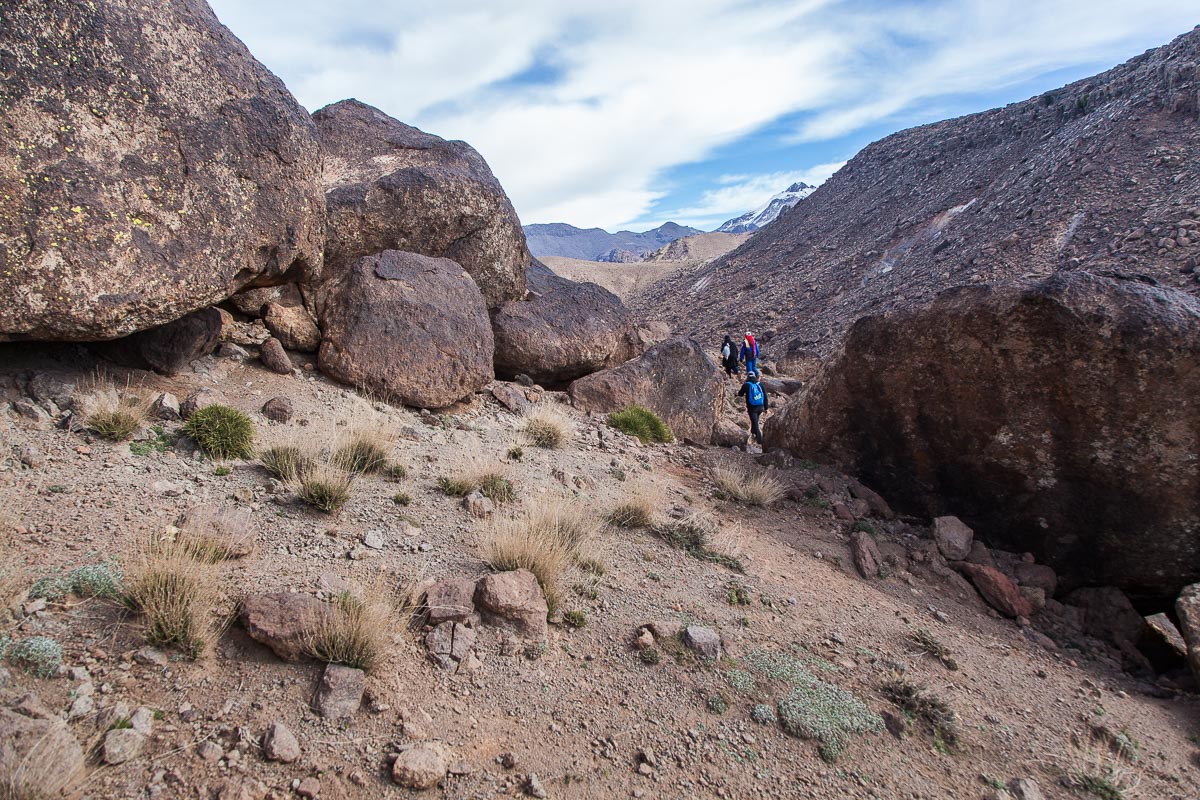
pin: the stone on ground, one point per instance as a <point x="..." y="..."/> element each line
<point x="280" y="744"/>
<point x="283" y="621"/>
<point x="38" y="757"/>
<point x="953" y="537"/>
<point x="341" y="691"/>
<point x="997" y="589"/>
<point x="513" y="599"/>
<point x="422" y="766"/>
<point x="705" y="641"/>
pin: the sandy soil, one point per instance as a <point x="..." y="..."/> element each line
<point x="578" y="715"/>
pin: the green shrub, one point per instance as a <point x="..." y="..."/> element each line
<point x="325" y="487"/>
<point x="575" y="618"/>
<point x="396" y="472"/>
<point x="763" y="714"/>
<point x="402" y="499"/>
<point x="363" y="453"/>
<point x="95" y="580"/>
<point x="641" y="422"/>
<point x="221" y="431"/>
<point x="497" y="488"/>
<point x="717" y="703"/>
<point x="38" y="655"/>
<point x="650" y="656"/>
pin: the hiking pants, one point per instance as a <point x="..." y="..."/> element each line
<point x="754" y="412"/>
<point x="752" y="365"/>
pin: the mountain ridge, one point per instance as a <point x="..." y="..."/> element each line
<point x="597" y="244"/>
<point x="767" y="213"/>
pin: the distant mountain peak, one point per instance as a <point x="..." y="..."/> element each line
<point x="768" y="213"/>
<point x="596" y="244"/>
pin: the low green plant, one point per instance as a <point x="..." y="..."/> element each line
<point x="641" y="422"/>
<point x="925" y="642"/>
<point x="402" y="499"/>
<point x="575" y="618"/>
<point x="740" y="680"/>
<point x="364" y="452"/>
<point x="694" y="534"/>
<point x="325" y="486"/>
<point x="96" y="580"/>
<point x="161" y="443"/>
<point x="1099" y="786"/>
<point x="37" y="655"/>
<point x="516" y="453"/>
<point x="222" y="471"/>
<point x="717" y="703"/>
<point x="863" y="526"/>
<point x="455" y="487"/>
<point x="286" y="462"/>
<point x="546" y="426"/>
<point x="120" y="724"/>
<point x="812" y="708"/>
<point x="650" y="656"/>
<point x="222" y="432"/>
<point x="763" y="714"/>
<point x="738" y="594"/>
<point x="496" y="487"/>
<point x="396" y="472"/>
<point x="591" y="564"/>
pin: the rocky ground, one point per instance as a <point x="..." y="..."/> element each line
<point x="585" y="714"/>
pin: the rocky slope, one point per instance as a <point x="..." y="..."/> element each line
<point x="1100" y="174"/>
<point x="769" y="211"/>
<point x="596" y="244"/>
<point x="615" y="697"/>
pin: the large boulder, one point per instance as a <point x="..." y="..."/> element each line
<point x="1057" y="418"/>
<point x="674" y="379"/>
<point x="406" y="327"/>
<point x="390" y="186"/>
<point x="1187" y="608"/>
<point x="562" y="331"/>
<point x="149" y="167"/>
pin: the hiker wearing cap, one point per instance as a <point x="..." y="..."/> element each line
<point x="729" y="358"/>
<point x="756" y="403"/>
<point x="749" y="353"/>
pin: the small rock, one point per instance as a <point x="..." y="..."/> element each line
<point x="478" y="506"/>
<point x="645" y="640"/>
<point x="151" y="657"/>
<point x="209" y="752"/>
<point x="421" y="766"/>
<point x="533" y="786"/>
<point x="1025" y="789"/>
<point x="278" y="409"/>
<point x="450" y="600"/>
<point x="142" y="720"/>
<point x="31" y="457"/>
<point x="166" y="488"/>
<point x="341" y="690"/>
<point x="166" y="407"/>
<point x="280" y="744"/>
<point x="121" y="745"/>
<point x="309" y="787"/>
<point x="953" y="538"/>
<point x="274" y="357"/>
<point x="373" y="540"/>
<point x="705" y="641"/>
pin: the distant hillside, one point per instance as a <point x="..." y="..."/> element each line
<point x="1099" y="175"/>
<point x="597" y="244"/>
<point x="768" y="212"/>
<point x="625" y="280"/>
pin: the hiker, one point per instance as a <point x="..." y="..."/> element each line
<point x="729" y="359"/>
<point x="749" y="353"/>
<point x="756" y="403"/>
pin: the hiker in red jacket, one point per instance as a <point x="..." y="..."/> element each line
<point x="749" y="353"/>
<point x="756" y="403"/>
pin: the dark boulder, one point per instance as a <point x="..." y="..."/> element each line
<point x="675" y="379"/>
<point x="389" y="186"/>
<point x="1059" y="418"/>
<point x="562" y="331"/>
<point x="149" y="167"/>
<point x="168" y="349"/>
<point x="408" y="328"/>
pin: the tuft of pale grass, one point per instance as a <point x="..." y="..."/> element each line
<point x="36" y="765"/>
<point x="325" y="485"/>
<point x="217" y="534"/>
<point x="547" y="539"/>
<point x="926" y="643"/>
<point x="110" y="412"/>
<point x="365" y="449"/>
<point x="700" y="536"/>
<point x="285" y="461"/>
<point x="174" y="587"/>
<point x="638" y="508"/>
<point x="548" y="426"/>
<point x="921" y="704"/>
<point x="752" y="489"/>
<point x="356" y="629"/>
<point x="489" y="479"/>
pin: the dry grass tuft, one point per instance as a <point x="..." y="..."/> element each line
<point x="110" y="412"/>
<point x="174" y="586"/>
<point x="926" y="643"/>
<point x="935" y="712"/>
<point x="356" y="629"/>
<point x="548" y="426"/>
<point x="547" y="540"/>
<point x="638" y="508"/>
<point x="326" y="486"/>
<point x="699" y="535"/>
<point x="44" y="767"/>
<point x="365" y="449"/>
<point x="758" y="489"/>
<point x="489" y="479"/>
<point x="285" y="461"/>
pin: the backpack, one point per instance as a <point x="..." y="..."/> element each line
<point x="754" y="394"/>
<point x="725" y="350"/>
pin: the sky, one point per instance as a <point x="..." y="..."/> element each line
<point x="624" y="114"/>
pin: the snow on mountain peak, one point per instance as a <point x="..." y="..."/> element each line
<point x="766" y="214"/>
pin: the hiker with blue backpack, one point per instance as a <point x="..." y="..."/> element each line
<point x="756" y="403"/>
<point x="749" y="353"/>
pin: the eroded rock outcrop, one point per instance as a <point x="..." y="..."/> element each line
<point x="406" y="327"/>
<point x="675" y="379"/>
<point x="1058" y="418"/>
<point x="562" y="331"/>
<point x="149" y="167"/>
<point x="390" y="186"/>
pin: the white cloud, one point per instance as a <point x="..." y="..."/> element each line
<point x="639" y="88"/>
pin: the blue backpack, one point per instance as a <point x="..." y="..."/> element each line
<point x="754" y="394"/>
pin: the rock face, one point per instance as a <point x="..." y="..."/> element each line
<point x="1093" y="175"/>
<point x="675" y="379"/>
<point x="562" y="331"/>
<point x="407" y="327"/>
<point x="168" y="349"/>
<point x="1056" y="418"/>
<point x="149" y="167"/>
<point x="1187" y="607"/>
<point x="389" y="186"/>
